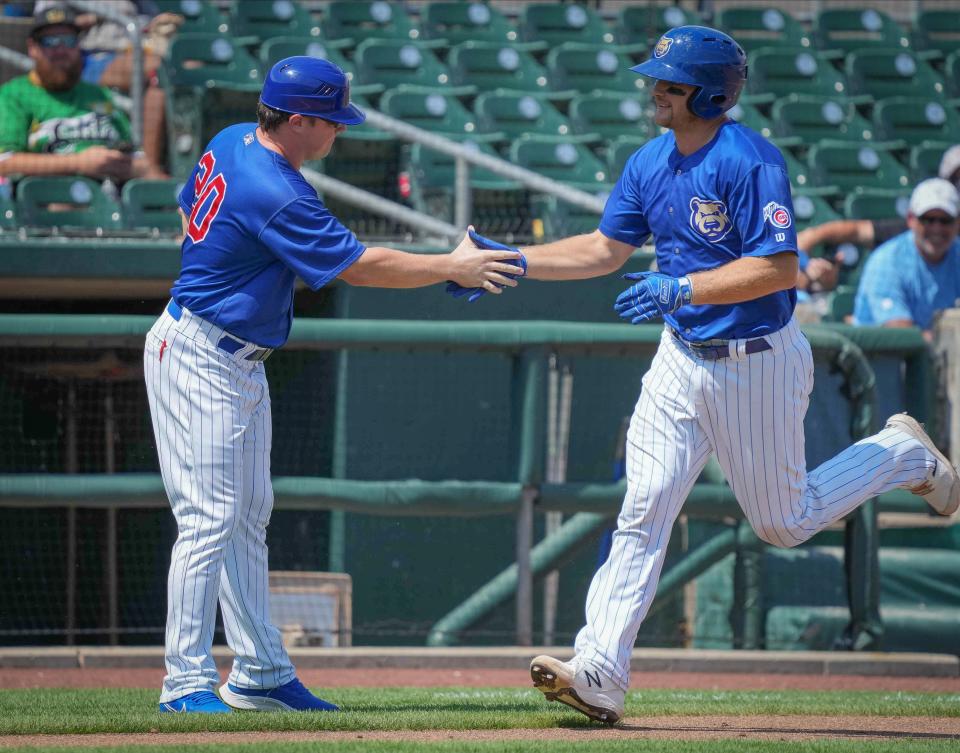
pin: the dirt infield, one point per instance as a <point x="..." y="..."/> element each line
<point x="478" y="678"/>
<point x="780" y="728"/>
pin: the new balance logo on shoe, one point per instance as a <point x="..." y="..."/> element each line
<point x="593" y="678"/>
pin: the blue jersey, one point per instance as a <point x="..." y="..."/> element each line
<point x="898" y="283"/>
<point x="255" y="225"/>
<point x="727" y="200"/>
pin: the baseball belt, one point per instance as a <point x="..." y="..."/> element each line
<point x="228" y="343"/>
<point x="716" y="350"/>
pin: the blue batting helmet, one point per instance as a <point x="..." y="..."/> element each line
<point x="702" y="57"/>
<point x="311" y="86"/>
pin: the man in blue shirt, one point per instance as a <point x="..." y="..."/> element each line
<point x="252" y="225"/>
<point x="910" y="278"/>
<point x="733" y="372"/>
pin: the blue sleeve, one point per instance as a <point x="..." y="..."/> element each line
<point x="624" y="217"/>
<point x="881" y="296"/>
<point x="762" y="210"/>
<point x="310" y="241"/>
<point x="186" y="197"/>
<point x="804" y="260"/>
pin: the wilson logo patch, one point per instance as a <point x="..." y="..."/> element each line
<point x="777" y="215"/>
<point x="709" y="218"/>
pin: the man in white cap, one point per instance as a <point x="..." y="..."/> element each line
<point x="910" y="278"/>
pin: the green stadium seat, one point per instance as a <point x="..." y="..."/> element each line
<point x="848" y="29"/>
<point x="924" y="159"/>
<point x="198" y="15"/>
<point x="936" y="33"/>
<point x="841" y="303"/>
<point x="801" y="177"/>
<point x="755" y="27"/>
<point x="66" y="202"/>
<point x="850" y="166"/>
<point x="810" y="209"/>
<point x="359" y="21"/>
<point x="514" y="114"/>
<point x="644" y="24"/>
<point x="915" y="119"/>
<point x="751" y="117"/>
<point x="151" y="205"/>
<point x="489" y="66"/>
<point x="562" y="161"/>
<point x="432" y="111"/>
<point x="8" y="212"/>
<point x="776" y="73"/>
<point x="209" y="60"/>
<point x="392" y="62"/>
<point x="553" y="218"/>
<point x="611" y="116"/>
<point x="619" y="150"/>
<point x="951" y="70"/>
<point x="556" y="23"/>
<point x="873" y="204"/>
<point x="498" y="205"/>
<point x="459" y="22"/>
<point x="814" y="119"/>
<point x="279" y="18"/>
<point x="583" y="68"/>
<point x="890" y="73"/>
<point x="279" y="48"/>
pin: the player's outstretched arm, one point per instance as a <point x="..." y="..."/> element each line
<point x="576" y="258"/>
<point x="467" y="265"/>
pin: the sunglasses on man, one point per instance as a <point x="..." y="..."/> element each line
<point x="927" y="220"/>
<point x="52" y="41"/>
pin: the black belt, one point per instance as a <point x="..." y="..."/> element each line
<point x="716" y="351"/>
<point x="227" y="343"/>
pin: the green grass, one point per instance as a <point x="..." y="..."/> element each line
<point x="65" y="711"/>
<point x="536" y="746"/>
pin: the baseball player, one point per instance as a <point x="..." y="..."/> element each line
<point x="253" y="225"/>
<point x="733" y="372"/>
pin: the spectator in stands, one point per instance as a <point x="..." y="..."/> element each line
<point x="108" y="57"/>
<point x="912" y="277"/>
<point x="56" y="124"/>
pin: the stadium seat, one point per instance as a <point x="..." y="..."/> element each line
<point x="514" y="114"/>
<point x="848" y="29"/>
<point x="611" y="116"/>
<point x="278" y="48"/>
<point x="756" y="27"/>
<point x="643" y="24"/>
<point x="810" y="209"/>
<point x="814" y="119"/>
<point x="936" y="33"/>
<point x="432" y="111"/>
<point x="951" y="69"/>
<point x="8" y="212"/>
<point x="841" y="303"/>
<point x="915" y="119"/>
<point x="356" y="22"/>
<point x="198" y="15"/>
<point x="458" y="22"/>
<point x="583" y="68"/>
<point x="891" y="73"/>
<point x="279" y="18"/>
<point x="209" y="60"/>
<point x="750" y="116"/>
<point x="924" y="159"/>
<point x="556" y="23"/>
<point x="619" y="150"/>
<point x="562" y="161"/>
<point x="66" y="202"/>
<point x="489" y="66"/>
<point x="553" y="218"/>
<point x="776" y="73"/>
<point x="873" y="204"/>
<point x="392" y="62"/>
<point x="151" y="205"/>
<point x="801" y="177"/>
<point x="847" y="167"/>
<point x="499" y="205"/>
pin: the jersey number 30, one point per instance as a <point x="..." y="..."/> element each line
<point x="204" y="186"/>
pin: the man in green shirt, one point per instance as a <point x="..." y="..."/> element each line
<point x="52" y="123"/>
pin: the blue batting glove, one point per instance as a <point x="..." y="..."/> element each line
<point x="652" y="296"/>
<point x="458" y="291"/>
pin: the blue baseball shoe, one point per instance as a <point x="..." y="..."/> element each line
<point x="290" y="697"/>
<point x="200" y="702"/>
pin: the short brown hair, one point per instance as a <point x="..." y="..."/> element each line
<point x="269" y="119"/>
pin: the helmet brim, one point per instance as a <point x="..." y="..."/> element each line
<point x="663" y="72"/>
<point x="349" y="115"/>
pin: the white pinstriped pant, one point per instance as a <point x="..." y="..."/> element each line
<point x="748" y="409"/>
<point x="212" y="424"/>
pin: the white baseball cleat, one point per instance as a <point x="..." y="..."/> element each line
<point x="941" y="490"/>
<point x="580" y="686"/>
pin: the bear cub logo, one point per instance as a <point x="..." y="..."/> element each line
<point x="709" y="218"/>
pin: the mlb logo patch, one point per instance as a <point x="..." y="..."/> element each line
<point x="777" y="215"/>
<point x="663" y="46"/>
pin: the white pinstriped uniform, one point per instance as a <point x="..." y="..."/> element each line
<point x="211" y="420"/>
<point x="749" y="410"/>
